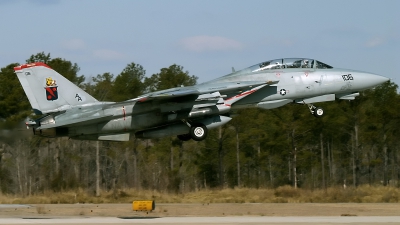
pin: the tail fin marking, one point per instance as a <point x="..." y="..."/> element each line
<point x="47" y="90"/>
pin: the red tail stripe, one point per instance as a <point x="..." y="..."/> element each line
<point x="24" y="66"/>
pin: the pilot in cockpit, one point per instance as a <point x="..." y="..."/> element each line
<point x="305" y="64"/>
<point x="276" y="66"/>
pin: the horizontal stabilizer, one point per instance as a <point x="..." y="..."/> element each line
<point x="74" y="122"/>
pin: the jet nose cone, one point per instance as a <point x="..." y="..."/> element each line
<point x="369" y="80"/>
<point x="378" y="79"/>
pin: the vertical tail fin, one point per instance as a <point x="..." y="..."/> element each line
<point x="47" y="90"/>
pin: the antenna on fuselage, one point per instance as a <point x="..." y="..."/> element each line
<point x="233" y="70"/>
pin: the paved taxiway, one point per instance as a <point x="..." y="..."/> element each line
<point x="372" y="220"/>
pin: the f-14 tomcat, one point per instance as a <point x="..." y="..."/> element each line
<point x="187" y="112"/>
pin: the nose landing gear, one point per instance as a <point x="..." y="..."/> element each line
<point x="316" y="111"/>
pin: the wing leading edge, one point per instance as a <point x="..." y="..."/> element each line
<point x="222" y="88"/>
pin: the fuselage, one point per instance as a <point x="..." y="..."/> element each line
<point x="182" y="110"/>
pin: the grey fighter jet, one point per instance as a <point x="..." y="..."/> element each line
<point x="188" y="112"/>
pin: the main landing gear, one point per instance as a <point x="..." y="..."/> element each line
<point x="197" y="132"/>
<point x="316" y="111"/>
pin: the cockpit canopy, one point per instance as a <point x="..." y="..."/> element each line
<point x="288" y="63"/>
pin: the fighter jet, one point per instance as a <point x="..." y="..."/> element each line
<point x="188" y="112"/>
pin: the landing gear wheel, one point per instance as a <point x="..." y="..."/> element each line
<point x="184" y="137"/>
<point x="198" y="132"/>
<point x="318" y="112"/>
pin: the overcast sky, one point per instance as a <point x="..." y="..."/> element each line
<point x="206" y="37"/>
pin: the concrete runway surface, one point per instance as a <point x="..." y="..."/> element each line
<point x="372" y="220"/>
<point x="199" y="214"/>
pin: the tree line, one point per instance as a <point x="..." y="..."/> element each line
<point x="355" y="143"/>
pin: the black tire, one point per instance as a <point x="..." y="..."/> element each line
<point x="198" y="132"/>
<point x="184" y="137"/>
<point x="318" y="112"/>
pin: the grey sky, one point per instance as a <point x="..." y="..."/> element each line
<point x="206" y="37"/>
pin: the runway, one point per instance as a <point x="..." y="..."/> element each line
<point x="200" y="214"/>
<point x="208" y="220"/>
